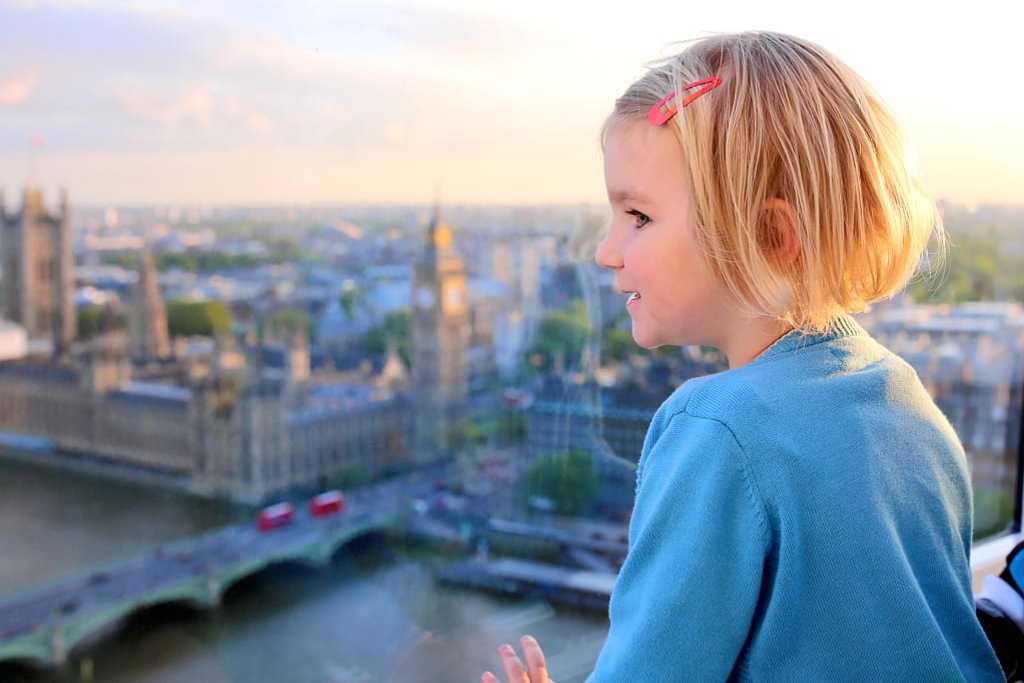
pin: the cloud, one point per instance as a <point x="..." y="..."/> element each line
<point x="133" y="80"/>
<point x="197" y="107"/>
<point x="395" y="91"/>
<point x="194" y="104"/>
<point x="19" y="88"/>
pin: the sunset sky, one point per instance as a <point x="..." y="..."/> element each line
<point x="251" y="101"/>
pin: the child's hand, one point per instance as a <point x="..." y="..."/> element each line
<point x="537" y="668"/>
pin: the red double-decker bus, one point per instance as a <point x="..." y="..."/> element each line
<point x="275" y="516"/>
<point x="326" y="503"/>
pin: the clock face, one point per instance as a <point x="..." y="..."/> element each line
<point x="453" y="297"/>
<point x="424" y="297"/>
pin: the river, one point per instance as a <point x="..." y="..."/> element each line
<point x="374" y="614"/>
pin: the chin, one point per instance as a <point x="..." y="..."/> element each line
<point x="646" y="342"/>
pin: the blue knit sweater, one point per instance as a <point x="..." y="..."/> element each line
<point x="804" y="517"/>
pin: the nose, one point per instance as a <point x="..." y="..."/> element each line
<point x="608" y="253"/>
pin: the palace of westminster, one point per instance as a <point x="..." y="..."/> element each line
<point x="225" y="423"/>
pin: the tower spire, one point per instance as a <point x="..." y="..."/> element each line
<point x="148" y="322"/>
<point x="437" y="201"/>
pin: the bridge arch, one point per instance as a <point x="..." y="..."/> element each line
<point x="15" y="665"/>
<point x="80" y="635"/>
<point x="52" y="643"/>
<point x="232" y="579"/>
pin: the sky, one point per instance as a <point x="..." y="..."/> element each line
<point x="253" y="101"/>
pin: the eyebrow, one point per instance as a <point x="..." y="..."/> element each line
<point x="628" y="196"/>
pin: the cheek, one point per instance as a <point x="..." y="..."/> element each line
<point x="686" y="280"/>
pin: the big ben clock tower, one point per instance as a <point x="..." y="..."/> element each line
<point x="440" y="335"/>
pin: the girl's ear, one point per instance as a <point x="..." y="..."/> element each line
<point x="780" y="236"/>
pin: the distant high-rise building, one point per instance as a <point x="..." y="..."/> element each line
<point x="39" y="270"/>
<point x="148" y="317"/>
<point x="501" y="263"/>
<point x="440" y="332"/>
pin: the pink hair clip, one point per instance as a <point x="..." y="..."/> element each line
<point x="667" y="108"/>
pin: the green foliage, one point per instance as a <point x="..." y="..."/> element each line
<point x="95" y="320"/>
<point x="569" y="479"/>
<point x="980" y="266"/>
<point x="203" y="318"/>
<point x="618" y="343"/>
<point x="208" y="261"/>
<point x="283" y="250"/>
<point x="89" y="321"/>
<point x="969" y="274"/>
<point x="510" y="426"/>
<point x="993" y="511"/>
<point x="467" y="434"/>
<point x="501" y="427"/>
<point x="396" y="325"/>
<point x="351" y="300"/>
<point x="561" y="332"/>
<point x="288" y="320"/>
<point x="350" y="476"/>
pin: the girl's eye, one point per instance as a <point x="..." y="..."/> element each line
<point x="641" y="218"/>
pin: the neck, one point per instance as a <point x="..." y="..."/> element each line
<point x="749" y="338"/>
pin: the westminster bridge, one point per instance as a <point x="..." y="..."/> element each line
<point x="42" y="625"/>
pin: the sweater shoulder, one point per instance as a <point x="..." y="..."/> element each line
<point x="833" y="373"/>
<point x="679" y="400"/>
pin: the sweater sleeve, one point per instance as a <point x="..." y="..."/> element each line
<point x="683" y="602"/>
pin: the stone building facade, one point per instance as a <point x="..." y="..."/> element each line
<point x="245" y="434"/>
<point x="39" y="270"/>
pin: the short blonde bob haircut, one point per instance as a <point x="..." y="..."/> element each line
<point x="791" y="121"/>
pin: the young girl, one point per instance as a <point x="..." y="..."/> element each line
<point x="805" y="515"/>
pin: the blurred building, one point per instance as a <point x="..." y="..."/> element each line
<point x="282" y="428"/>
<point x="441" y="341"/>
<point x="240" y="430"/>
<point x="13" y="341"/>
<point x="608" y="416"/>
<point x="39" y="270"/>
<point x="971" y="359"/>
<point x="147" y="319"/>
<point x="243" y="423"/>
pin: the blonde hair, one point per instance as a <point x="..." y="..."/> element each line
<point x="791" y="121"/>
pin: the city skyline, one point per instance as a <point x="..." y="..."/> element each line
<point x="382" y="103"/>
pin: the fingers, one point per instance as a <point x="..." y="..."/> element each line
<point x="513" y="667"/>
<point x="534" y="660"/>
<point x="538" y="668"/>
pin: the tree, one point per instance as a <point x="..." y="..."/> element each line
<point x="396" y="325"/>
<point x="351" y="300"/>
<point x="969" y="274"/>
<point x="510" y="426"/>
<point x="618" y="343"/>
<point x="202" y="318"/>
<point x="562" y="332"/>
<point x="288" y="320"/>
<point x="569" y="479"/>
<point x="352" y="475"/>
<point x="96" y="320"/>
<point x="467" y="434"/>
